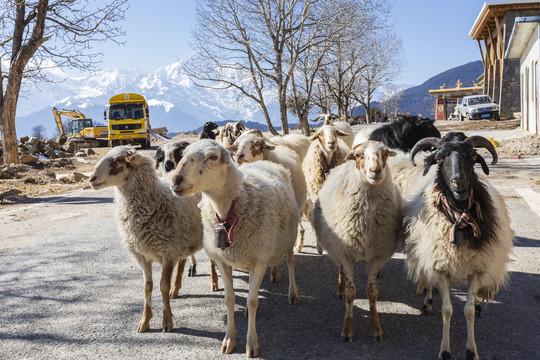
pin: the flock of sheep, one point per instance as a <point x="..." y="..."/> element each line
<point x="242" y="196"/>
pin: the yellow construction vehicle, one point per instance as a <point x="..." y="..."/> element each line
<point x="129" y="120"/>
<point x="83" y="133"/>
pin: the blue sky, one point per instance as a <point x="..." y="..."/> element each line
<point x="434" y="33"/>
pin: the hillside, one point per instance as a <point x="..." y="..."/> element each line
<point x="418" y="100"/>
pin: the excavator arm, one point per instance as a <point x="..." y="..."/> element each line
<point x="73" y="114"/>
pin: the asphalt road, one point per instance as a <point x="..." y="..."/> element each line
<point x="70" y="290"/>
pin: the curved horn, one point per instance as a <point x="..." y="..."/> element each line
<point x="480" y="141"/>
<point x="422" y="144"/>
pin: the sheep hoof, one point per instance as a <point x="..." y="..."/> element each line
<point x="143" y="327"/>
<point x="215" y="287"/>
<point x="478" y="310"/>
<point x="471" y="355"/>
<point x="228" y="346"/>
<point x="426" y="310"/>
<point x="246" y="312"/>
<point x="167" y="323"/>
<point x="192" y="271"/>
<point x="275" y="277"/>
<point x="445" y="355"/>
<point x="173" y="293"/>
<point x="252" y="352"/>
<point x="319" y="249"/>
<point x="293" y="299"/>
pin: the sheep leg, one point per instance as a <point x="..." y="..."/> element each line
<point x="275" y="277"/>
<point x="300" y="238"/>
<point x="444" y="288"/>
<point x="372" y="291"/>
<point x="472" y="353"/>
<point x="165" y="286"/>
<point x="144" y="324"/>
<point x="192" y="271"/>
<point x="229" y="342"/>
<point x="427" y="308"/>
<point x="177" y="285"/>
<point x="213" y="276"/>
<point x="256" y="275"/>
<point x="293" y="290"/>
<point x="350" y="295"/>
<point x="341" y="284"/>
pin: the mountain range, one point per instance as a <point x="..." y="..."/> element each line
<point x="176" y="103"/>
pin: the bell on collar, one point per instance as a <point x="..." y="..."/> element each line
<point x="222" y="237"/>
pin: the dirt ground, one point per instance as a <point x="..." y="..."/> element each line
<point x="51" y="177"/>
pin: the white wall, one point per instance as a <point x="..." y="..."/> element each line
<point x="530" y="96"/>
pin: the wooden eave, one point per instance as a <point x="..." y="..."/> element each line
<point x="483" y="28"/>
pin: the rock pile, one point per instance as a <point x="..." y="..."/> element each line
<point x="34" y="149"/>
<point x="527" y="145"/>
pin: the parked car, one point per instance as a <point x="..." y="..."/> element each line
<point x="477" y="107"/>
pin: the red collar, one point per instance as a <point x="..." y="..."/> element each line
<point x="461" y="217"/>
<point x="228" y="223"/>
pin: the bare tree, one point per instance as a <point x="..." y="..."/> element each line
<point x="42" y="34"/>
<point x="349" y="55"/>
<point x="383" y="66"/>
<point x="39" y="132"/>
<point x="390" y="101"/>
<point x="254" y="46"/>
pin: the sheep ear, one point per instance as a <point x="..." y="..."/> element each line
<point x="350" y="156"/>
<point x="392" y="153"/>
<point x="480" y="160"/>
<point x="226" y="157"/>
<point x="341" y="133"/>
<point x="133" y="160"/>
<point x="269" y="146"/>
<point x="160" y="157"/>
<point x="232" y="148"/>
<point x="314" y="136"/>
<point x="430" y="160"/>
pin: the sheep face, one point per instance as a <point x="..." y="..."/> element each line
<point x="210" y="130"/>
<point x="170" y="154"/>
<point x="114" y="168"/>
<point x="250" y="147"/>
<point x="229" y="133"/>
<point x="201" y="168"/>
<point x="327" y="135"/>
<point x="456" y="167"/>
<point x="370" y="158"/>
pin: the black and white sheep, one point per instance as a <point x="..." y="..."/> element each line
<point x="401" y="134"/>
<point x="210" y="131"/>
<point x="168" y="155"/>
<point x="357" y="218"/>
<point x="250" y="219"/>
<point x="457" y="229"/>
<point x="155" y="225"/>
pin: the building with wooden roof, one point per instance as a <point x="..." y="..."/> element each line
<point x="508" y="36"/>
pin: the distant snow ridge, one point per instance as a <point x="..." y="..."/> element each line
<point x="173" y="99"/>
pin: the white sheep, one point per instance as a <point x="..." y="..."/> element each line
<point x="457" y="229"/>
<point x="325" y="153"/>
<point x="168" y="155"/>
<point x="346" y="128"/>
<point x="357" y="218"/>
<point x="251" y="146"/>
<point x="155" y="225"/>
<point x="249" y="218"/>
<point x="297" y="142"/>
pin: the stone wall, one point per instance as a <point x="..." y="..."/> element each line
<point x="510" y="97"/>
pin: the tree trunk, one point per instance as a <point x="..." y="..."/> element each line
<point x="268" y="121"/>
<point x="305" y="125"/>
<point x="283" y="110"/>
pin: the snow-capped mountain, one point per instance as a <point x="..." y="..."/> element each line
<point x="175" y="102"/>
